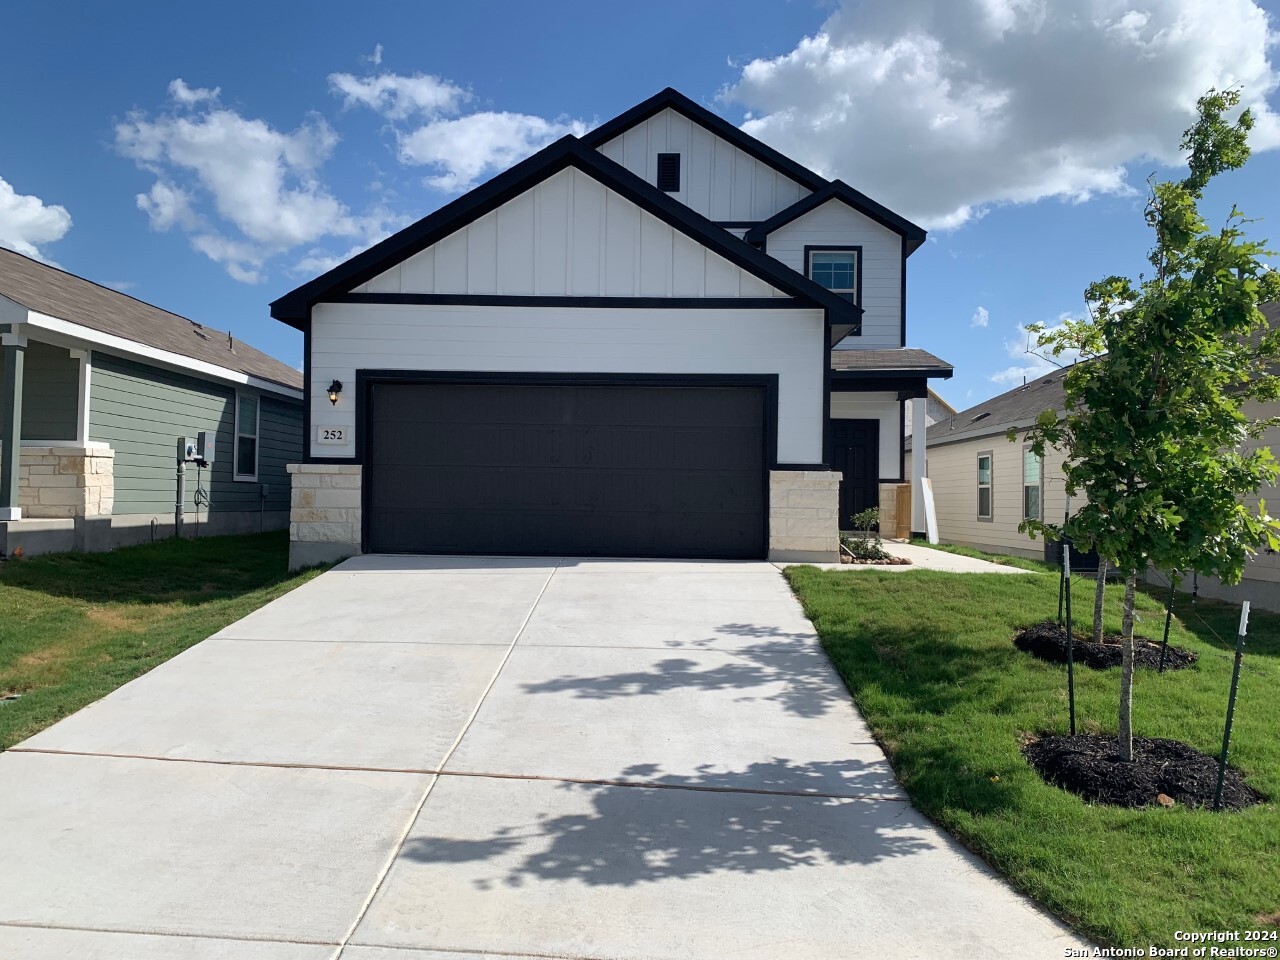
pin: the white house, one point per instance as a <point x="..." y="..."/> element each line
<point x="621" y="346"/>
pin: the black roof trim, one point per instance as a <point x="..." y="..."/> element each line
<point x="675" y="100"/>
<point x="912" y="235"/>
<point x="294" y="308"/>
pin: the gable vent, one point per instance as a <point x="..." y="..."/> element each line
<point x="669" y="172"/>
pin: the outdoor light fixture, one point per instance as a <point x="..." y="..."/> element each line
<point x="335" y="388"/>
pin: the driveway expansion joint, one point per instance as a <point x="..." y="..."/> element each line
<point x="176" y="934"/>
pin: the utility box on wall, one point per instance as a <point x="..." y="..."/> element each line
<point x="206" y="446"/>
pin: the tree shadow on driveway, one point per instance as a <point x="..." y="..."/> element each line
<point x="789" y="669"/>
<point x="682" y="827"/>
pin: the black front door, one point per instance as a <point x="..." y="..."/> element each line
<point x="855" y="453"/>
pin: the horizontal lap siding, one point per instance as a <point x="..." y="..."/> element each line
<point x="1264" y="566"/>
<point x="833" y="224"/>
<point x="881" y="406"/>
<point x="50" y="393"/>
<point x="349" y="337"/>
<point x="569" y="236"/>
<point x="953" y="471"/>
<point x="140" y="411"/>
<point x="717" y="179"/>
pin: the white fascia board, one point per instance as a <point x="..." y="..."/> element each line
<point x="132" y="348"/>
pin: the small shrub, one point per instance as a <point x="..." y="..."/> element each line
<point x="864" y="542"/>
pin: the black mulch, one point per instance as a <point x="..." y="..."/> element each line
<point x="1048" y="641"/>
<point x="1090" y="766"/>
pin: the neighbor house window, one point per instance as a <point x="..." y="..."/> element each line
<point x="837" y="270"/>
<point x="1031" y="474"/>
<point x="246" y="437"/>
<point x="984" y="486"/>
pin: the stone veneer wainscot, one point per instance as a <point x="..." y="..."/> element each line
<point x="804" y="508"/>
<point x="324" y="513"/>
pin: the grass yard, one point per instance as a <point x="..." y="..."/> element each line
<point x="73" y="627"/>
<point x="929" y="660"/>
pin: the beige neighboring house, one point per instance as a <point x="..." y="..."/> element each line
<point x="984" y="485"/>
<point x="935" y="409"/>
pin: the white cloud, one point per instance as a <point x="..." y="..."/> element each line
<point x="374" y="58"/>
<point x="26" y="222"/>
<point x="460" y="150"/>
<point x="940" y="108"/>
<point x="399" y="97"/>
<point x="980" y="317"/>
<point x="1029" y="366"/>
<point x="190" y="96"/>
<point x="124" y="286"/>
<point x="465" y="149"/>
<point x="243" y="190"/>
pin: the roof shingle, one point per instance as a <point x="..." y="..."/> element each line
<point x="56" y="293"/>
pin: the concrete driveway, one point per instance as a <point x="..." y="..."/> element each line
<point x="430" y="758"/>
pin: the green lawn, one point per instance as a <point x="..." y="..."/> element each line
<point x="929" y="660"/>
<point x="73" y="627"/>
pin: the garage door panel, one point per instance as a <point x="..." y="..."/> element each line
<point x="566" y="469"/>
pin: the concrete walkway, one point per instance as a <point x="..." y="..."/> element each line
<point x="432" y="758"/>
<point x="922" y="558"/>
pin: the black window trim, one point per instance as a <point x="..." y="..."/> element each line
<point x="854" y="248"/>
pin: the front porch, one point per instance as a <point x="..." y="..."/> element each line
<point x="59" y="478"/>
<point x="873" y="396"/>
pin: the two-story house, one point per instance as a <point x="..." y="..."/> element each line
<point x="621" y="346"/>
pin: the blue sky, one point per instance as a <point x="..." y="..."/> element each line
<point x="1018" y="133"/>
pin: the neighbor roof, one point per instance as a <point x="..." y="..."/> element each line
<point x="1019" y="406"/>
<point x="912" y="235"/>
<point x="293" y="307"/>
<point x="64" y="296"/>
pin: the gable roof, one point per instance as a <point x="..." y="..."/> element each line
<point x="912" y="235"/>
<point x="293" y="308"/>
<point x="1018" y="407"/>
<point x="670" y="99"/>
<point x="64" y="296"/>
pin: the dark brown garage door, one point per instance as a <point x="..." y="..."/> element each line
<point x="650" y="470"/>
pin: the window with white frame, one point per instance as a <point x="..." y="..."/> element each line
<point x="837" y="270"/>
<point x="246" y="453"/>
<point x="1031" y="485"/>
<point x="984" y="486"/>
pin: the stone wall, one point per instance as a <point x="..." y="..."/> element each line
<point x="70" y="481"/>
<point x="324" y="513"/>
<point x="804" y="507"/>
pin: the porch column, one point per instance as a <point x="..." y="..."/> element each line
<point x="15" y="349"/>
<point x="919" y="407"/>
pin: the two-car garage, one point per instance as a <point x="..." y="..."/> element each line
<point x="662" y="466"/>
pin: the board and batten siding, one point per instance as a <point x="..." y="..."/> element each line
<point x="717" y="179"/>
<point x="876" y="405"/>
<point x="140" y="411"/>
<point x="789" y="342"/>
<point x="569" y="236"/>
<point x="953" y="471"/>
<point x="834" y="224"/>
<point x="50" y="393"/>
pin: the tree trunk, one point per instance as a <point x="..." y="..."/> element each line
<point x="1098" y="597"/>
<point x="1126" y="671"/>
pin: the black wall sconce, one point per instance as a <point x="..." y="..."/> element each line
<point x="335" y="388"/>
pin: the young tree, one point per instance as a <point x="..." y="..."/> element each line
<point x="1155" y="418"/>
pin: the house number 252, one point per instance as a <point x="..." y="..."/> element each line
<point x="331" y="434"/>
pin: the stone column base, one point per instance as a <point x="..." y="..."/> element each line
<point x="67" y="481"/>
<point x="804" y="508"/>
<point x="324" y="513"/>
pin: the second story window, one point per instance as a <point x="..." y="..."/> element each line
<point x="836" y="269"/>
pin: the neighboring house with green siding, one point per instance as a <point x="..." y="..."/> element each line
<point x="96" y="387"/>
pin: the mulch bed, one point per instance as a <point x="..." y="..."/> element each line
<point x="1048" y="641"/>
<point x="885" y="562"/>
<point x="1163" y="772"/>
